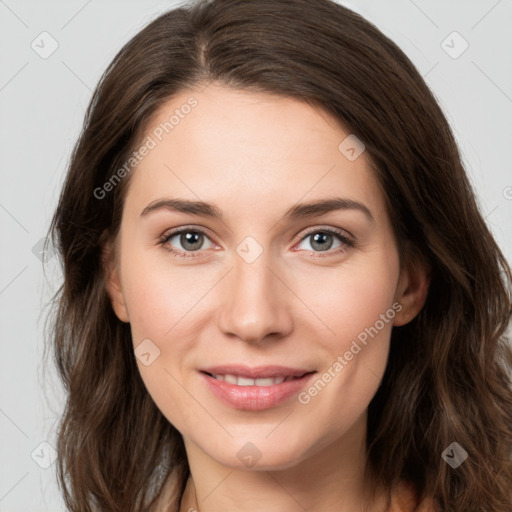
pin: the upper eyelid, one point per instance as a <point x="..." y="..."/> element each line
<point x="176" y="231"/>
<point x="336" y="230"/>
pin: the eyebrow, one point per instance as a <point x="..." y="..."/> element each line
<point x="299" y="211"/>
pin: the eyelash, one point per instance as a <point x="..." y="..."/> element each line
<point x="164" y="239"/>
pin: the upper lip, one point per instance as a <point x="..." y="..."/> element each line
<point x="256" y="372"/>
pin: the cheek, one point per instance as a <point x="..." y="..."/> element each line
<point x="161" y="309"/>
<point x="355" y="305"/>
<point x="349" y="299"/>
<point x="159" y="300"/>
<point x="357" y="308"/>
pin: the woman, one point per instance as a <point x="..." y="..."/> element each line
<point x="333" y="339"/>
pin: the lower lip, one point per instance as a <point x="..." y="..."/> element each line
<point x="255" y="398"/>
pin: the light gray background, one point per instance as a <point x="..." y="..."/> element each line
<point x="42" y="102"/>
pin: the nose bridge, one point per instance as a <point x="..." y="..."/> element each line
<point x="255" y="303"/>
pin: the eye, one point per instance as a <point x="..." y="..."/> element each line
<point x="191" y="240"/>
<point x="322" y="240"/>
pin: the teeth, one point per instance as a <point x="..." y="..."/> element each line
<point x="246" y="381"/>
<point x="230" y="378"/>
<point x="242" y="381"/>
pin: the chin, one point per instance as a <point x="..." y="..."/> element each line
<point x="259" y="456"/>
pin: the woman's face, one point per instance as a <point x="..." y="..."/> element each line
<point x="257" y="279"/>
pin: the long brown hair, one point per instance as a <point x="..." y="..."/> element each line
<point x="447" y="378"/>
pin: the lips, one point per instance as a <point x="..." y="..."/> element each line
<point x="254" y="389"/>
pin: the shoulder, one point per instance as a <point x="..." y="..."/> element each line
<point x="404" y="498"/>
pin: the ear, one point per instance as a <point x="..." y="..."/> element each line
<point x="412" y="289"/>
<point x="113" y="283"/>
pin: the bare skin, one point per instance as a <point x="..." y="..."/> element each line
<point x="255" y="156"/>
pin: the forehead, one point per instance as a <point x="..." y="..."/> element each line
<point x="237" y="147"/>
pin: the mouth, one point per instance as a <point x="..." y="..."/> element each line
<point x="254" y="389"/>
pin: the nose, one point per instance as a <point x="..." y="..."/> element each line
<point x="256" y="301"/>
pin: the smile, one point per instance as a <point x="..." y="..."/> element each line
<point x="254" y="394"/>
